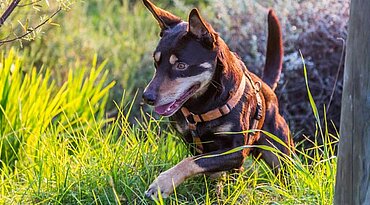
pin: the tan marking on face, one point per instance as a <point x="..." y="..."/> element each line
<point x="171" y="178"/>
<point x="225" y="127"/>
<point x="157" y="56"/>
<point x="173" y="59"/>
<point x="171" y="90"/>
<point x="206" y="65"/>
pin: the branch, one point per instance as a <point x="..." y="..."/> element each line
<point x="3" y="41"/>
<point x="8" y="11"/>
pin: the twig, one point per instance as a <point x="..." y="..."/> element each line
<point x="8" y="11"/>
<point x="338" y="71"/>
<point x="2" y="42"/>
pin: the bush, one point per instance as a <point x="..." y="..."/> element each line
<point x="310" y="26"/>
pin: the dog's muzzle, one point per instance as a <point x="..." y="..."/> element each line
<point x="149" y="97"/>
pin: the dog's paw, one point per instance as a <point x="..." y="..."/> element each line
<point x="163" y="184"/>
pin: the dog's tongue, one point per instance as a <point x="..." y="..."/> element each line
<point x="164" y="109"/>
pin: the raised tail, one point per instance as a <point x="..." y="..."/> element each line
<point x="274" y="53"/>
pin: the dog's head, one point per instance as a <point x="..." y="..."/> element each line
<point x="185" y="60"/>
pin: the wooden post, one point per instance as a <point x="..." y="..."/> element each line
<point x="353" y="169"/>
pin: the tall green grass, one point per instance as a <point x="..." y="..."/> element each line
<point x="32" y="107"/>
<point x="58" y="148"/>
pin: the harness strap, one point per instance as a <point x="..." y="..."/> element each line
<point x="192" y="119"/>
<point x="257" y="116"/>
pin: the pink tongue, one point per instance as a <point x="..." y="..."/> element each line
<point x="163" y="108"/>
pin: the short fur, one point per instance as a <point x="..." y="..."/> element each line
<point x="193" y="45"/>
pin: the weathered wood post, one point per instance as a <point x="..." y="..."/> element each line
<point x="353" y="169"/>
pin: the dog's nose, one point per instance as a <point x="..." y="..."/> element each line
<point x="149" y="98"/>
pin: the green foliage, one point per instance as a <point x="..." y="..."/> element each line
<point x="67" y="153"/>
<point x="30" y="103"/>
<point x="57" y="147"/>
<point x="123" y="33"/>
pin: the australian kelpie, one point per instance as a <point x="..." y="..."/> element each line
<point x="206" y="90"/>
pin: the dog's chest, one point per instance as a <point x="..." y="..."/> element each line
<point x="210" y="134"/>
<point x="202" y="128"/>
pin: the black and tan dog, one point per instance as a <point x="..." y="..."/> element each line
<point x="206" y="89"/>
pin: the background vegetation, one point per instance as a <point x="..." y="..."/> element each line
<point x="59" y="89"/>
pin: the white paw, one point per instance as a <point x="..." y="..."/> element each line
<point x="163" y="183"/>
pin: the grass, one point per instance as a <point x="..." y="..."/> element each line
<point x="58" y="148"/>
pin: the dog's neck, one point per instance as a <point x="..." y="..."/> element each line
<point x="226" y="79"/>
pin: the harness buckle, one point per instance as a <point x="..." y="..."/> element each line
<point x="258" y="86"/>
<point x="192" y="124"/>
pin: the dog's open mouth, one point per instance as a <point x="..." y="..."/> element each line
<point x="170" y="108"/>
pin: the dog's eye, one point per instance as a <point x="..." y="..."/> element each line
<point x="181" y="66"/>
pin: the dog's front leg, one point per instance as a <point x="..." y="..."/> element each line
<point x="191" y="166"/>
<point x="168" y="180"/>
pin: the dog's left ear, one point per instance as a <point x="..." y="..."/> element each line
<point x="164" y="18"/>
<point x="201" y="29"/>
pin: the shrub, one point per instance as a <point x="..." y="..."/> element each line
<point x="310" y="26"/>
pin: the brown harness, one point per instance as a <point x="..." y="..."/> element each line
<point x="192" y="119"/>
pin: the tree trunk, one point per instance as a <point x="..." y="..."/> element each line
<point x="353" y="169"/>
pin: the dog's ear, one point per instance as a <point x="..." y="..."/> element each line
<point x="200" y="28"/>
<point x="165" y="19"/>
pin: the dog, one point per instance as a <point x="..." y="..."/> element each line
<point x="206" y="90"/>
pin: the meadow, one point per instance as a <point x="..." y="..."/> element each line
<point x="73" y="131"/>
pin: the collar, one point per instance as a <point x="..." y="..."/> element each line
<point x="192" y="119"/>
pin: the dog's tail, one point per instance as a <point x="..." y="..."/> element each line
<point x="274" y="53"/>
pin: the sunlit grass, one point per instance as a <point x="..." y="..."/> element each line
<point x="57" y="147"/>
